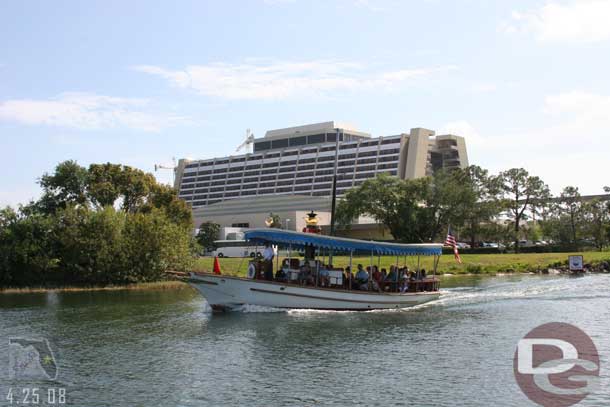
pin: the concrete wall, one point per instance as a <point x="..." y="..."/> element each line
<point x="417" y="155"/>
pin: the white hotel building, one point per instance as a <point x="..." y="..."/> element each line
<point x="291" y="171"/>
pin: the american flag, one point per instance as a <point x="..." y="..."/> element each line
<point x="450" y="241"/>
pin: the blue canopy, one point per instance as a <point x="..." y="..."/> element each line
<point x="299" y="239"/>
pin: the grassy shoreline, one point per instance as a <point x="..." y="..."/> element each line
<point x="152" y="286"/>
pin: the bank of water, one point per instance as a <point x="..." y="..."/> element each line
<point x="125" y="348"/>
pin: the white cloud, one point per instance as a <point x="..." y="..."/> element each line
<point x="568" y="147"/>
<point x="584" y="21"/>
<point x="283" y="80"/>
<point x="87" y="111"/>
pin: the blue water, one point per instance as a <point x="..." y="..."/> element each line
<point x="165" y="348"/>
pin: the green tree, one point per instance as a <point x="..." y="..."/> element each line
<point x="26" y="249"/>
<point x="103" y="225"/>
<point x="208" y="233"/>
<point x="521" y="192"/>
<point x="596" y="219"/>
<point x="414" y="210"/>
<point x="104" y="184"/>
<point x="154" y="244"/>
<point x="483" y="207"/>
<point x="66" y="186"/>
<point x="570" y="207"/>
<point x="90" y="245"/>
<point x="390" y="201"/>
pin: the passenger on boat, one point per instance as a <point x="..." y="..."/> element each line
<point x="391" y="279"/>
<point x="324" y="277"/>
<point x="362" y="278"/>
<point x="384" y="273"/>
<point x="305" y="275"/>
<point x="268" y="255"/>
<point x="423" y="274"/>
<point x="280" y="275"/>
<point x="404" y="279"/>
<point x="347" y="278"/>
<point x="376" y="274"/>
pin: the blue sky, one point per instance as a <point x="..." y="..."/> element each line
<point x="140" y="82"/>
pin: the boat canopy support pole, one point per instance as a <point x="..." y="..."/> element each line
<point x="370" y="283"/>
<point x="349" y="276"/>
<point x="397" y="274"/>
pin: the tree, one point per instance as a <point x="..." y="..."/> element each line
<point x="415" y="210"/>
<point x="447" y="200"/>
<point x="570" y="206"/>
<point x="521" y="192"/>
<point x="66" y="186"/>
<point x="106" y="224"/>
<point x="484" y="207"/>
<point x="597" y="221"/>
<point x="389" y="200"/>
<point x="208" y="233"/>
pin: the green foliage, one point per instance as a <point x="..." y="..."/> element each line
<point x="25" y="247"/>
<point x="208" y="233"/>
<point x="416" y="210"/>
<point x="105" y="225"/>
<point x="66" y="186"/>
<point x="596" y="216"/>
<point x="521" y="192"/>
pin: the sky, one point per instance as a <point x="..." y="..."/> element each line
<point x="139" y="82"/>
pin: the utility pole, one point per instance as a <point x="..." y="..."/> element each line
<point x="334" y="196"/>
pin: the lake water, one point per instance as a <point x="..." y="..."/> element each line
<point x="165" y="348"/>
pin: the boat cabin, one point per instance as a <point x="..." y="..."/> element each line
<point x="309" y="263"/>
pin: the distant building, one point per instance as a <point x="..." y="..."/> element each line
<point x="291" y="171"/>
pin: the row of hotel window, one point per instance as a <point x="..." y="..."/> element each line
<point x="287" y="166"/>
<point x="270" y="188"/>
<point x="250" y="157"/>
<point x="253" y="184"/>
<point x="318" y="190"/>
<point x="302" y="176"/>
<point x="302" y="161"/>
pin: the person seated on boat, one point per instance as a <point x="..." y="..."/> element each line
<point x="376" y="274"/>
<point x="324" y="277"/>
<point x="403" y="277"/>
<point x="423" y="274"/>
<point x="280" y="274"/>
<point x="268" y="255"/>
<point x="362" y="278"/>
<point x="305" y="275"/>
<point x="391" y="279"/>
<point x="347" y="278"/>
<point x="384" y="273"/>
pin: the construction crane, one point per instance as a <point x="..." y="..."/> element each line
<point x="248" y="141"/>
<point x="173" y="167"/>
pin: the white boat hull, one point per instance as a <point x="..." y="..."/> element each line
<point x="226" y="293"/>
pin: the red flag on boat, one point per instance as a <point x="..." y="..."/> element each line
<point x="216" y="266"/>
<point x="450" y="241"/>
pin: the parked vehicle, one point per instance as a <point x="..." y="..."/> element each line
<point x="236" y="248"/>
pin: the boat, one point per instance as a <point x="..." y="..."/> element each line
<point x="225" y="293"/>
